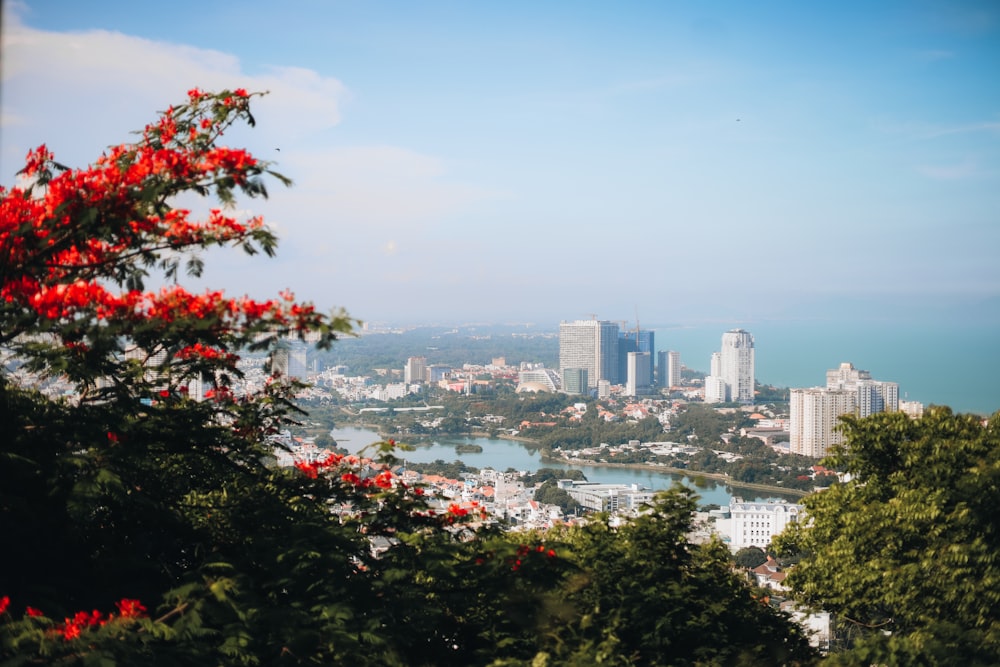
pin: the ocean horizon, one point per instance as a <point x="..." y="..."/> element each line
<point x="937" y="363"/>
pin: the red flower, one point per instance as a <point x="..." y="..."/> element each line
<point x="384" y="479"/>
<point x="310" y="470"/>
<point x="350" y="478"/>
<point x="130" y="608"/>
<point x="70" y="630"/>
<point x="32" y="611"/>
<point x="4" y="603"/>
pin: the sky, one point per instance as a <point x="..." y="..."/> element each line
<point x="679" y="162"/>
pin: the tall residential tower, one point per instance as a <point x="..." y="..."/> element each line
<point x="737" y="367"/>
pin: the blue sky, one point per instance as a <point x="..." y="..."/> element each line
<point x="539" y="161"/>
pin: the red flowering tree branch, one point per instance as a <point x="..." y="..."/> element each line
<point x="77" y="246"/>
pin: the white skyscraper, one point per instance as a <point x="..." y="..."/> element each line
<point x="715" y="384"/>
<point x="638" y="380"/>
<point x="591" y="345"/>
<point x="673" y="368"/>
<point x="737" y="365"/>
<point x="813" y="418"/>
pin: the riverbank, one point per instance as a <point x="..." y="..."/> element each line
<point x="533" y="444"/>
<point x="691" y="474"/>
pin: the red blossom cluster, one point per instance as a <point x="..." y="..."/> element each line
<point x="457" y="512"/>
<point x="311" y="469"/>
<point x="204" y="352"/>
<point x="71" y="628"/>
<point x="74" y="243"/>
<point x="523" y="551"/>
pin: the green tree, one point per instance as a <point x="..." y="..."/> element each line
<point x="133" y="493"/>
<point x="750" y="557"/>
<point x="645" y="595"/>
<point x="905" y="552"/>
<point x="550" y="494"/>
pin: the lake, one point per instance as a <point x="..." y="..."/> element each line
<point x="504" y="454"/>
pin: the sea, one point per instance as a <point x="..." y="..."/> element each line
<point x="952" y="361"/>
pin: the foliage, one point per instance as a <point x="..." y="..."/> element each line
<point x="545" y="474"/>
<point x="905" y="552"/>
<point x="750" y="557"/>
<point x="704" y="422"/>
<point x="656" y="599"/>
<point x="550" y="494"/>
<point x="145" y="526"/>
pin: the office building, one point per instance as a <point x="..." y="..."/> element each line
<point x="290" y="359"/>
<point x="574" y="380"/>
<point x="415" y="370"/>
<point x="635" y="340"/>
<point x="639" y="376"/>
<point x="591" y="345"/>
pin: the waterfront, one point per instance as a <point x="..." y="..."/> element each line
<point x="504" y="454"/>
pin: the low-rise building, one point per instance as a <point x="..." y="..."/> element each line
<point x="753" y="524"/>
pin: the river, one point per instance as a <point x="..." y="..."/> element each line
<point x="504" y="454"/>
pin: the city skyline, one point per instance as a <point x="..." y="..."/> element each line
<point x="443" y="155"/>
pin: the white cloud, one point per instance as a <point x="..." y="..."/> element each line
<point x="349" y="208"/>
<point x="82" y="91"/>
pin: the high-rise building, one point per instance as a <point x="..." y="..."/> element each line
<point x="639" y="377"/>
<point x="634" y="340"/>
<point x="574" y="380"/>
<point x="290" y="358"/>
<point x="591" y="345"/>
<point x="415" y="370"/>
<point x="715" y="384"/>
<point x="673" y="368"/>
<point x="814" y="415"/>
<point x="872" y="395"/>
<point x="737" y="366"/>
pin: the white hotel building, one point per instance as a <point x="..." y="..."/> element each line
<point x="754" y="524"/>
